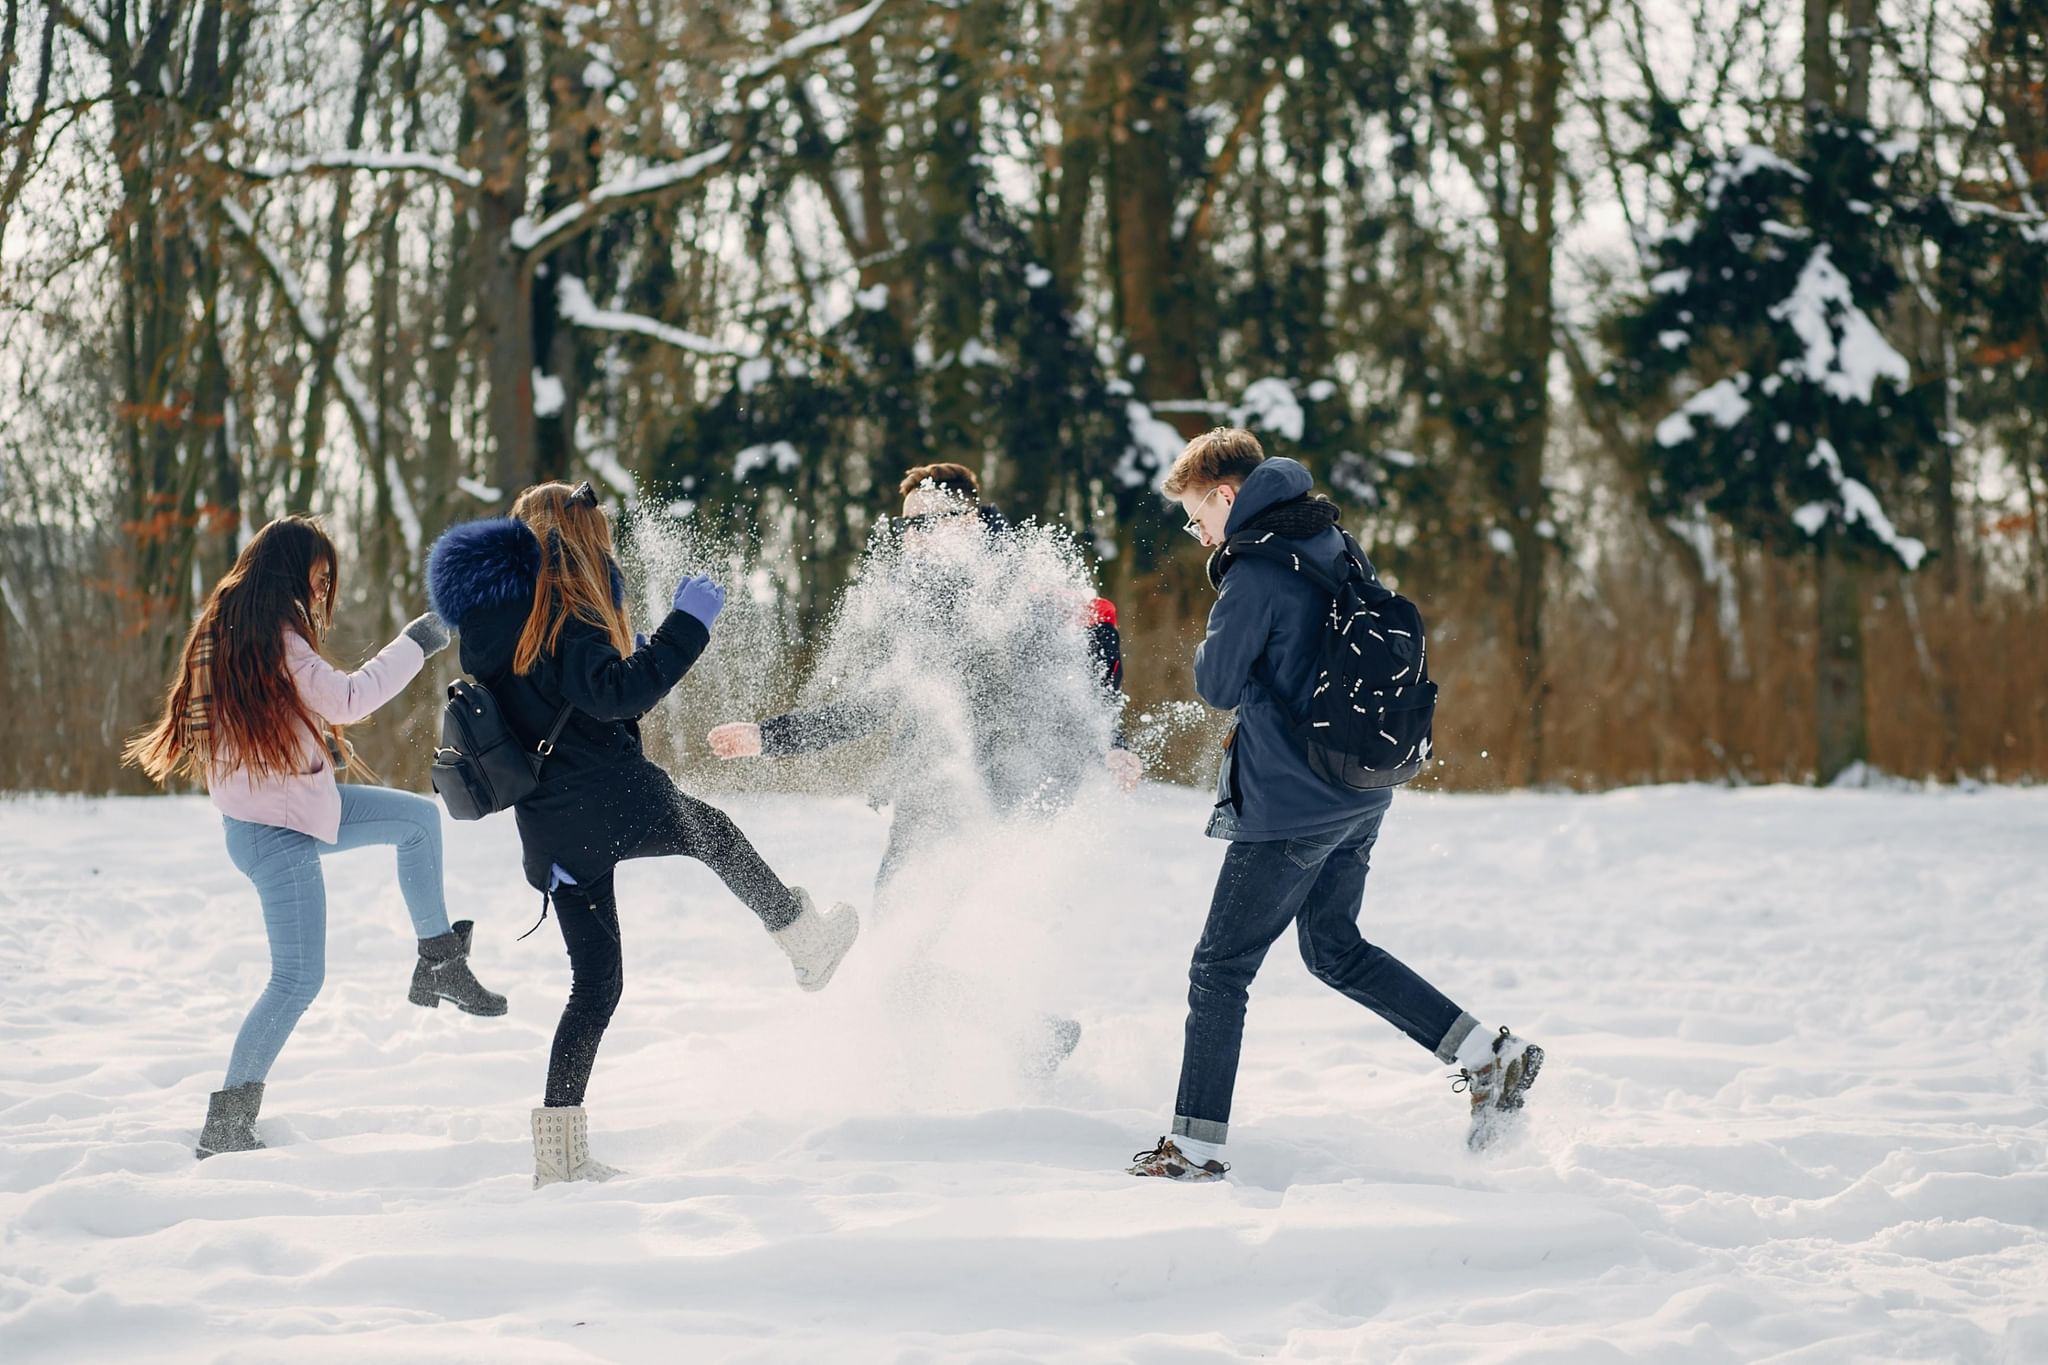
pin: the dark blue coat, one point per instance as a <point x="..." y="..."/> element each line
<point x="1260" y="657"/>
<point x="598" y="793"/>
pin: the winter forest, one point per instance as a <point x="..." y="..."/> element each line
<point x="781" y="910"/>
<point x="1685" y="363"/>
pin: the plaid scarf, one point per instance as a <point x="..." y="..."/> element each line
<point x="198" y="719"/>
<point x="198" y="722"/>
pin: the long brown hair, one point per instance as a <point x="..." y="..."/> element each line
<point x="251" y="714"/>
<point x="575" y="571"/>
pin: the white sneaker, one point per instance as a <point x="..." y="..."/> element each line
<point x="561" y="1148"/>
<point x="815" y="943"/>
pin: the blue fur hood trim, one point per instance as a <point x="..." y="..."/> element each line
<point x="488" y="564"/>
<point x="482" y="564"/>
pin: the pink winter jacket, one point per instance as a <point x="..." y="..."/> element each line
<point x="308" y="801"/>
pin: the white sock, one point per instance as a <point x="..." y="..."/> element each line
<point x="1198" y="1151"/>
<point x="1477" y="1049"/>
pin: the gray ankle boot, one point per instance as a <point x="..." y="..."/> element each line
<point x="231" y="1121"/>
<point x="561" y="1147"/>
<point x="443" y="973"/>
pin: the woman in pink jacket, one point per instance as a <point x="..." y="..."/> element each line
<point x="246" y="714"/>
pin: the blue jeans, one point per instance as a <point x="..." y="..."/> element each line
<point x="1317" y="884"/>
<point x="285" y="865"/>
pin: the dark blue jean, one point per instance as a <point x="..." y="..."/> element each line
<point x="1317" y="884"/>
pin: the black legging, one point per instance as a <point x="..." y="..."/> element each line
<point x="588" y="915"/>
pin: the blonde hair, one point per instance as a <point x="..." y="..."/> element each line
<point x="1225" y="455"/>
<point x="575" y="573"/>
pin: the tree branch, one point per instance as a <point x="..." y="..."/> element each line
<point x="312" y="327"/>
<point x="18" y="174"/>
<point x="536" y="240"/>
<point x="1226" y="156"/>
<point x="573" y="301"/>
<point x="365" y="159"/>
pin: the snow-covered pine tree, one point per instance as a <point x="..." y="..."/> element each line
<point x="1799" y="413"/>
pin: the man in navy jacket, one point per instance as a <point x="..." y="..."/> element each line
<point x="1299" y="845"/>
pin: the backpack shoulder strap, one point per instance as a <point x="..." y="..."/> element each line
<point x="1279" y="550"/>
<point x="547" y="746"/>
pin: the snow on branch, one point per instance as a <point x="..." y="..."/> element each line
<point x="1847" y="369"/>
<point x="401" y="507"/>
<point x="1154" y="446"/>
<point x="1722" y="402"/>
<point x="286" y="279"/>
<point x="567" y="222"/>
<point x="311" y="324"/>
<point x="576" y="306"/>
<point x="1854" y="503"/>
<point x="811" y="39"/>
<point x="368" y="160"/>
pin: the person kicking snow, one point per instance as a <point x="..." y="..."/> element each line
<point x="1299" y="843"/>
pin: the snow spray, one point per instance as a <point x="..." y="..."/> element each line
<point x="965" y="649"/>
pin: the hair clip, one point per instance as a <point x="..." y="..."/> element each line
<point x="584" y="496"/>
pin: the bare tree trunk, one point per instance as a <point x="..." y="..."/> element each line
<point x="445" y="346"/>
<point x="504" y="298"/>
<point x="951" y="286"/>
<point x="327" y="346"/>
<point x="1841" y="724"/>
<point x="1819" y="56"/>
<point x="572" y="149"/>
<point x="1149" y="267"/>
<point x="1529" y="239"/>
<point x="25" y="150"/>
<point x="1841" y="721"/>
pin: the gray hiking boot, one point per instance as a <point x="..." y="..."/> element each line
<point x="1054" y="1043"/>
<point x="1168" y="1162"/>
<point x="1499" y="1088"/>
<point x="231" y="1121"/>
<point x="443" y="973"/>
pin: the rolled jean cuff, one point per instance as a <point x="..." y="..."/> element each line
<point x="1201" y="1130"/>
<point x="1454" y="1037"/>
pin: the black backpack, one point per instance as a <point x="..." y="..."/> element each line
<point x="1369" y="719"/>
<point x="481" y="767"/>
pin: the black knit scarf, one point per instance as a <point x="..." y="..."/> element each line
<point x="1301" y="518"/>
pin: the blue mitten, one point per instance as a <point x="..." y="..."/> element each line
<point x="701" y="598"/>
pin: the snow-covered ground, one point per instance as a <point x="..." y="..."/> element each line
<point x="1796" y="1106"/>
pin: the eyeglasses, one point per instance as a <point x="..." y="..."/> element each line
<point x="1194" y="527"/>
<point x="584" y="496"/>
<point x="922" y="520"/>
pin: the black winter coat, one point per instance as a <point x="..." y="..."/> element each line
<point x="598" y="793"/>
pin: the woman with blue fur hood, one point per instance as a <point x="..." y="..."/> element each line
<point x="548" y="633"/>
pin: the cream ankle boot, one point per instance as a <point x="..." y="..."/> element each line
<point x="561" y="1148"/>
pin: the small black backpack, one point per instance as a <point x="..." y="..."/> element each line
<point x="1369" y="719"/>
<point x="481" y="767"/>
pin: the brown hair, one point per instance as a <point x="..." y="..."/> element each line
<point x="947" y="478"/>
<point x="1225" y="455"/>
<point x="575" y="572"/>
<point x="248" y="711"/>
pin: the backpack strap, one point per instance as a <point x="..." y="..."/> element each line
<point x="1280" y="550"/>
<point x="547" y="746"/>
